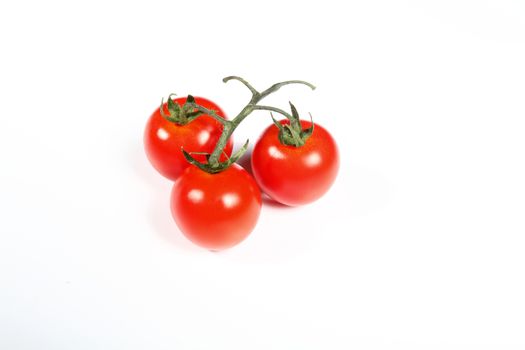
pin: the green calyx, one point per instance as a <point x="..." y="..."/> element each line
<point x="177" y="114"/>
<point x="293" y="134"/>
<point x="216" y="167"/>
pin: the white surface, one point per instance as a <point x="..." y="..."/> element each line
<point x="419" y="245"/>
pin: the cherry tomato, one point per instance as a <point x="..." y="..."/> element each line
<point x="163" y="139"/>
<point x="216" y="211"/>
<point x="295" y="175"/>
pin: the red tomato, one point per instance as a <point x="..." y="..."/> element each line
<point x="295" y="175"/>
<point x="216" y="211"/>
<point x="163" y="139"/>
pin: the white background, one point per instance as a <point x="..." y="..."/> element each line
<point x="419" y="245"/>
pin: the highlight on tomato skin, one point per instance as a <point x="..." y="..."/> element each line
<point x="164" y="139"/>
<point x="295" y="175"/>
<point x="216" y="211"/>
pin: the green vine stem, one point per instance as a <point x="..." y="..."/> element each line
<point x="229" y="126"/>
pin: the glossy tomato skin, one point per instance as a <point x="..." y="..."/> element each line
<point x="216" y="211"/>
<point x="163" y="139"/>
<point x="295" y="175"/>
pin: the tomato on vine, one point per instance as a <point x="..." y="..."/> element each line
<point x="295" y="161"/>
<point x="178" y="126"/>
<point x="214" y="201"/>
<point x="216" y="211"/>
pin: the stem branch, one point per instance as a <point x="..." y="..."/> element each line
<point x="229" y="126"/>
<point x="248" y="85"/>
<point x="277" y="86"/>
<point x="273" y="109"/>
<point x="228" y="130"/>
<point x="212" y="114"/>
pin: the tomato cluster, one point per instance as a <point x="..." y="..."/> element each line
<point x="215" y="202"/>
